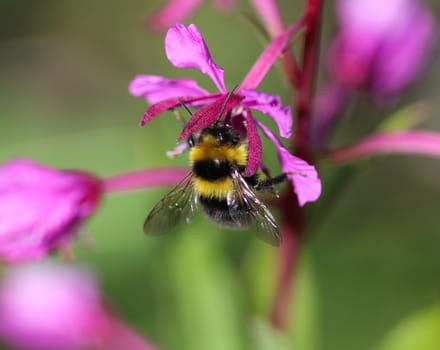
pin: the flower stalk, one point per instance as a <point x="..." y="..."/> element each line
<point x="292" y="212"/>
<point x="287" y="262"/>
<point x="152" y="177"/>
<point x="308" y="75"/>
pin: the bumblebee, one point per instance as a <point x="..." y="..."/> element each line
<point x="218" y="157"/>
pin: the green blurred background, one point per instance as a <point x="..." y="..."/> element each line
<point x="370" y="264"/>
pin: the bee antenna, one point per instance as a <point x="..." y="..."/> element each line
<point x="183" y="104"/>
<point x="226" y="102"/>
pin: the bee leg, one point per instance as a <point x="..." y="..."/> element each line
<point x="267" y="185"/>
<point x="265" y="171"/>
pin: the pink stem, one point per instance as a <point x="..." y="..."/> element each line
<point x="145" y="178"/>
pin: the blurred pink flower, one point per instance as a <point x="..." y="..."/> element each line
<point x="52" y="307"/>
<point x="381" y="46"/>
<point x="179" y="10"/>
<point x="41" y="208"/>
<point x="186" y="48"/>
<point x="420" y="142"/>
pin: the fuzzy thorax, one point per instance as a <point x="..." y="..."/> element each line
<point x="212" y="163"/>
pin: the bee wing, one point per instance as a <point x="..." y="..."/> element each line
<point x="178" y="206"/>
<point x="260" y="220"/>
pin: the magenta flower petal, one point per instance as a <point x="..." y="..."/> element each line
<point x="156" y="109"/>
<point x="209" y="114"/>
<point x="419" y="142"/>
<point x="42" y="208"/>
<point x="186" y="48"/>
<point x="155" y="88"/>
<point x="303" y="176"/>
<point x="268" y="58"/>
<point x="255" y="148"/>
<point x="162" y="106"/>
<point x="173" y="11"/>
<point x="271" y="105"/>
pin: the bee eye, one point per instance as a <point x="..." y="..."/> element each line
<point x="191" y="141"/>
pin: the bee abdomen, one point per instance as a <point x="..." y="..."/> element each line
<point x="219" y="212"/>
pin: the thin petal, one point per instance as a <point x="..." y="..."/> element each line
<point x="269" y="57"/>
<point x="426" y="143"/>
<point x="209" y="114"/>
<point x="174" y="11"/>
<point x="271" y="105"/>
<point x="255" y="148"/>
<point x="303" y="176"/>
<point x="163" y="106"/>
<point x="158" y="108"/>
<point x="155" y="88"/>
<point x="186" y="48"/>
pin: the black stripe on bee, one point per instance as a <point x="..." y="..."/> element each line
<point x="212" y="169"/>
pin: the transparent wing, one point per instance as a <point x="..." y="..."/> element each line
<point x="175" y="208"/>
<point x="243" y="202"/>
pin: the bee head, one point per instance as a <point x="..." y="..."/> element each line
<point x="223" y="134"/>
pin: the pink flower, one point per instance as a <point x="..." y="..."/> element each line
<point x="41" y="209"/>
<point x="186" y="48"/>
<point x="179" y="10"/>
<point x="381" y="46"/>
<point x="52" y="307"/>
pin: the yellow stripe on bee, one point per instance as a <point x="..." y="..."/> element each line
<point x="209" y="149"/>
<point x="213" y="189"/>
